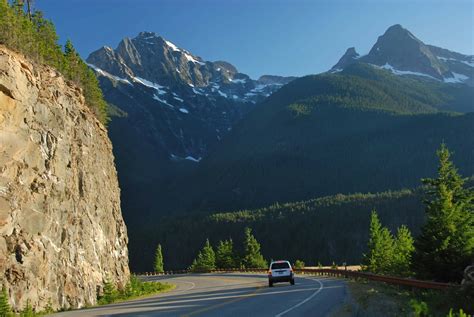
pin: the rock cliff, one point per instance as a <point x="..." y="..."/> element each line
<point x="61" y="227"/>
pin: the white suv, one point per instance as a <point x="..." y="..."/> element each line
<point x="280" y="271"/>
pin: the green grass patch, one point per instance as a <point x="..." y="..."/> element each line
<point x="135" y="288"/>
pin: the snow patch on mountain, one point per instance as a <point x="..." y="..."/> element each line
<point x="238" y="81"/>
<point x="186" y="54"/>
<point x="457" y="78"/>
<point x="157" y="97"/>
<point x="198" y="91"/>
<point x="190" y="58"/>
<point x="191" y="158"/>
<point x="106" y="74"/>
<point x="172" y="46"/>
<point x="471" y="63"/>
<point x="175" y="157"/>
<point x="147" y="83"/>
<point x="395" y="71"/>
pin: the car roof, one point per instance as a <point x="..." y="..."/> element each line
<point x="280" y="261"/>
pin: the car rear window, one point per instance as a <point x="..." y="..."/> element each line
<point x="282" y="265"/>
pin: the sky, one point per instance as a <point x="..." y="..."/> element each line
<point x="278" y="37"/>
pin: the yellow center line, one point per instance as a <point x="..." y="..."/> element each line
<point x="242" y="297"/>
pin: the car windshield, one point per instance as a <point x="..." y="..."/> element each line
<point x="280" y="265"/>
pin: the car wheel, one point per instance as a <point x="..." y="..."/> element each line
<point x="292" y="282"/>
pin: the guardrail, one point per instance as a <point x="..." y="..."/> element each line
<point x="331" y="272"/>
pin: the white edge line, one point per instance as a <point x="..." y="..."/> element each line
<point x="188" y="289"/>
<point x="304" y="301"/>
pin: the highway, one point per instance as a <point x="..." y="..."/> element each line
<point x="231" y="294"/>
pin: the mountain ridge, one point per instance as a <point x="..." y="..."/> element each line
<point x="401" y="52"/>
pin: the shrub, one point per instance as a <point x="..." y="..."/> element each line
<point x="299" y="264"/>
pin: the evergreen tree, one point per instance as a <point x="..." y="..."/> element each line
<point x="28" y="310"/>
<point x="380" y="247"/>
<point x="299" y="264"/>
<point x="446" y="243"/>
<point x="252" y="256"/>
<point x="158" y="265"/>
<point x="225" y="258"/>
<point x="403" y="252"/>
<point x="34" y="36"/>
<point x="110" y="292"/>
<point x="5" y="309"/>
<point x="206" y="259"/>
<point x="72" y="61"/>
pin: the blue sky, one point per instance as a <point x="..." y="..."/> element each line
<point x="281" y="37"/>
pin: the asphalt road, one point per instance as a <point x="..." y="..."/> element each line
<point x="232" y="294"/>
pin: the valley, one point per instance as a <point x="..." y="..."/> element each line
<point x="139" y="178"/>
<point x="371" y="124"/>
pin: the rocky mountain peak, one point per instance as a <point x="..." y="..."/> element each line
<point x="401" y="52"/>
<point x="397" y="39"/>
<point x="398" y="30"/>
<point x="147" y="34"/>
<point x="181" y="102"/>
<point x="348" y="58"/>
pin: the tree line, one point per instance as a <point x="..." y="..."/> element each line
<point x="34" y="36"/>
<point x="313" y="231"/>
<point x="224" y="256"/>
<point x="428" y="229"/>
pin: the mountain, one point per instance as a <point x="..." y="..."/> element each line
<point x="352" y="131"/>
<point x="184" y="104"/>
<point x="169" y="108"/>
<point x="363" y="127"/>
<point x="399" y="51"/>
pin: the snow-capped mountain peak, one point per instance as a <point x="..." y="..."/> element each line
<point x="401" y="52"/>
<point x="174" y="98"/>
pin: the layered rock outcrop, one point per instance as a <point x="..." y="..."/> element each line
<point x="61" y="227"/>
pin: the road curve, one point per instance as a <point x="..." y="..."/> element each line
<point x="231" y="294"/>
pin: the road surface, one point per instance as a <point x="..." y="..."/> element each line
<point x="231" y="294"/>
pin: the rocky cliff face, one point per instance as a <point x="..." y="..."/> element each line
<point x="61" y="228"/>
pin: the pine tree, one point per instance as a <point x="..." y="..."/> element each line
<point x="225" y="258"/>
<point x="72" y="62"/>
<point x="158" y="265"/>
<point x="110" y="292"/>
<point x="252" y="256"/>
<point x="380" y="247"/>
<point x="206" y="259"/>
<point x="446" y="243"/>
<point x="299" y="264"/>
<point x="33" y="35"/>
<point x="403" y="252"/>
<point x="5" y="309"/>
<point x="28" y="310"/>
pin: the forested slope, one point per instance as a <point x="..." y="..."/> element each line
<point x="333" y="228"/>
<point x="361" y="130"/>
